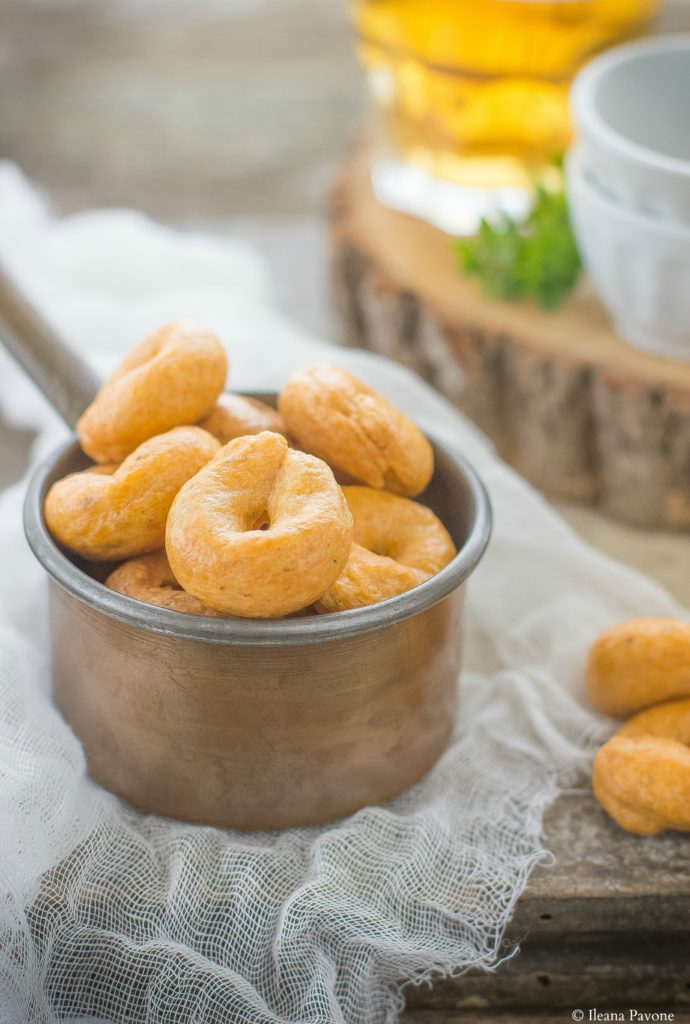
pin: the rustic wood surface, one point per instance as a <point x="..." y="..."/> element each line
<point x="530" y="1015"/>
<point x="607" y="924"/>
<point x="235" y="117"/>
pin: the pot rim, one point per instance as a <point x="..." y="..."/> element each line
<point x="257" y="632"/>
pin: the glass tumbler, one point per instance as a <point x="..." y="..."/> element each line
<point x="471" y="96"/>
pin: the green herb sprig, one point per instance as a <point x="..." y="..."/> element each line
<point x="533" y="259"/>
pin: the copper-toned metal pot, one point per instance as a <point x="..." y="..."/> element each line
<point x="234" y="722"/>
<point x="260" y="724"/>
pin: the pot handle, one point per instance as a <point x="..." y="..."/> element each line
<point x="63" y="377"/>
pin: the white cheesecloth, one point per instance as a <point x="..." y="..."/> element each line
<point x="111" y="915"/>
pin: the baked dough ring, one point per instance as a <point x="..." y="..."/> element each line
<point x="113" y="512"/>
<point x="398" y="544"/>
<point x="260" y="532"/>
<point x="637" y="664"/>
<point x="236" y="416"/>
<point x="170" y="379"/>
<point x="149" y="578"/>
<point x="367" y="579"/>
<point x="355" y="430"/>
<point x="641" y="776"/>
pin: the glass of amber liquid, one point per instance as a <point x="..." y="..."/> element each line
<point x="471" y="96"/>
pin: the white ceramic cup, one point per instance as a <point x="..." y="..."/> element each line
<point x="631" y="111"/>
<point x="639" y="264"/>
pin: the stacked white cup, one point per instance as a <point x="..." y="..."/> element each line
<point x="628" y="180"/>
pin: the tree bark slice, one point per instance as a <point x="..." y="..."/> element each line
<point x="573" y="408"/>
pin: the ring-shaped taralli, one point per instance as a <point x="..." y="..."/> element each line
<point x="236" y="416"/>
<point x="355" y="430"/>
<point x="398" y="544"/>
<point x="641" y="777"/>
<point x="171" y="379"/>
<point x="260" y="532"/>
<point x="113" y="512"/>
<point x="149" y="578"/>
<point x="637" y="664"/>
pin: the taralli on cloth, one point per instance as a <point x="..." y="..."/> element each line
<point x="355" y="430"/>
<point x="639" y="663"/>
<point x="398" y="544"/>
<point x="172" y="378"/>
<point x="642" y="775"/>
<point x="111" y="512"/>
<point x="237" y="415"/>
<point x="149" y="578"/>
<point x="260" y="532"/>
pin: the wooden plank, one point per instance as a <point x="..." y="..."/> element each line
<point x="594" y="858"/>
<point x="610" y="916"/>
<point x="532" y="1015"/>
<point x="645" y="969"/>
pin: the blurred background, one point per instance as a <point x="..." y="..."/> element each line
<point x="231" y="115"/>
<point x="227" y="115"/>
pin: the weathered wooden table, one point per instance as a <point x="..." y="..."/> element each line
<point x="235" y="117"/>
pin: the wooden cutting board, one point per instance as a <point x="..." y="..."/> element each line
<point x="573" y="408"/>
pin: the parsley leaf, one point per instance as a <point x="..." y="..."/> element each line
<point x="536" y="258"/>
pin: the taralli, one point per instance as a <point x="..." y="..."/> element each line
<point x="257" y="529"/>
<point x="366" y="579"/>
<point x="172" y="378"/>
<point x="641" y="776"/>
<point x="236" y="416"/>
<point x="149" y="578"/>
<point x="113" y="512"/>
<point x="637" y="664"/>
<point x="260" y="532"/>
<point x="398" y="544"/>
<point x="355" y="430"/>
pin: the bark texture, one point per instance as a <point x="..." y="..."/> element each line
<point x="578" y="412"/>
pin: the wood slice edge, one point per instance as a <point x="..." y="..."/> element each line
<point x="571" y="429"/>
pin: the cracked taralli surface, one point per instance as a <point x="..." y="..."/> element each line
<point x="260" y="532"/>
<point x="237" y="415"/>
<point x="171" y="378"/>
<point x="642" y="775"/>
<point x="398" y="544"/>
<point x="110" y="512"/>
<point x="638" y="663"/>
<point x="355" y="429"/>
<point x="149" y="578"/>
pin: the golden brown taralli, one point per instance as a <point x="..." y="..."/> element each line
<point x="355" y="430"/>
<point x="265" y="531"/>
<point x="260" y="532"/>
<point x="637" y="664"/>
<point x="367" y="579"/>
<point x="398" y="544"/>
<point x="171" y="379"/>
<point x="113" y="512"/>
<point x="641" y="776"/>
<point x="149" y="578"/>
<point x="236" y="416"/>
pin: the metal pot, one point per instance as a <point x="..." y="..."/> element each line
<point x="260" y="724"/>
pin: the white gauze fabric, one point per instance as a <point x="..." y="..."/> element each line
<point x="111" y="915"/>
